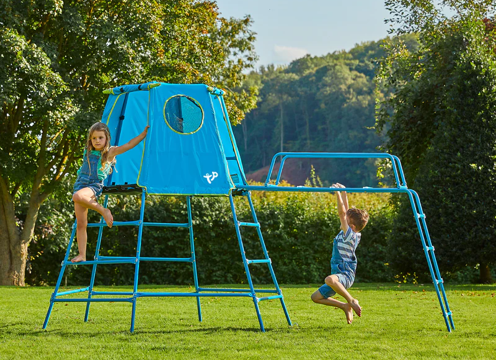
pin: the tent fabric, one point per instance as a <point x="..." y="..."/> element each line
<point x="186" y="160"/>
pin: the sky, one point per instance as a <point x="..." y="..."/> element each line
<point x="289" y="29"/>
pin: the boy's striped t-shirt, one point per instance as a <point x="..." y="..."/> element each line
<point x="347" y="244"/>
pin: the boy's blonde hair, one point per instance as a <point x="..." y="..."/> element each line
<point x="99" y="126"/>
<point x="358" y="217"/>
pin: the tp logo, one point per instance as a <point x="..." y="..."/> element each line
<point x="211" y="178"/>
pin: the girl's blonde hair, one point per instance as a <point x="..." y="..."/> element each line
<point x="99" y="126"/>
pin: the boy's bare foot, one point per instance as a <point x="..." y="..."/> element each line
<point x="356" y="307"/>
<point x="348" y="311"/>
<point x="107" y="216"/>
<point x="78" y="258"/>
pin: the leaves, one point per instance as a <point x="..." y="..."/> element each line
<point x="440" y="122"/>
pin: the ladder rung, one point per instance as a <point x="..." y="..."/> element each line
<point x="72" y="291"/>
<point x="248" y="224"/>
<point x="184" y="225"/>
<point x="166" y="259"/>
<point x="116" y="223"/>
<point x="100" y="261"/>
<point x="238" y="290"/>
<point x="439" y="281"/>
<point x="112" y="293"/>
<point x="270" y="297"/>
<point x="102" y="257"/>
<point x="420" y="216"/>
<point x="430" y="248"/>
<point x="262" y="261"/>
<point x="94" y="300"/>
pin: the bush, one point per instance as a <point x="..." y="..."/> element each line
<point x="298" y="229"/>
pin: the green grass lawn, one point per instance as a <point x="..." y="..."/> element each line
<point x="398" y="322"/>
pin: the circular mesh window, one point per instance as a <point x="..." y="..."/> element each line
<point x="183" y="114"/>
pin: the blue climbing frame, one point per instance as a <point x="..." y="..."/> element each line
<point x="143" y="167"/>
<point x="243" y="190"/>
<point x="132" y="296"/>
<point x="401" y="187"/>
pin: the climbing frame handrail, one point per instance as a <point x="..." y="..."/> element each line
<point x="395" y="161"/>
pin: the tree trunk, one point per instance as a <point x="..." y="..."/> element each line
<point x="13" y="252"/>
<point x="5" y="258"/>
<point x="13" y="243"/>
<point x="485" y="274"/>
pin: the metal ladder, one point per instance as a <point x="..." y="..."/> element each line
<point x="265" y="260"/>
<point x="425" y="238"/>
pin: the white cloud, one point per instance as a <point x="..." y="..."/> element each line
<point x="286" y="54"/>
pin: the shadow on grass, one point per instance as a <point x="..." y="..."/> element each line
<point x="207" y="330"/>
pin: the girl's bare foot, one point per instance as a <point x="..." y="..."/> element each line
<point x="107" y="216"/>
<point x="348" y="311"/>
<point x="356" y="307"/>
<point x="78" y="258"/>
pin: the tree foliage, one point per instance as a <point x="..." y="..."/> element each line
<point x="322" y="103"/>
<point x="57" y="57"/>
<point x="441" y="122"/>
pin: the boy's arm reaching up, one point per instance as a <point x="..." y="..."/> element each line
<point x="117" y="150"/>
<point x="342" y="201"/>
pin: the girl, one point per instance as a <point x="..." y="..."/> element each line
<point x="98" y="159"/>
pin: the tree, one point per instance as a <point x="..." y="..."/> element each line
<point x="441" y="122"/>
<point x="57" y="57"/>
<point x="322" y="103"/>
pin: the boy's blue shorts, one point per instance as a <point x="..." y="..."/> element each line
<point x="345" y="280"/>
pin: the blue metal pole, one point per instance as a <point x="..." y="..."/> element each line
<point x="245" y="263"/>
<point x="193" y="256"/>
<point x="61" y="275"/>
<point x="93" y="271"/>
<point x="138" y="252"/>
<point x="266" y="254"/>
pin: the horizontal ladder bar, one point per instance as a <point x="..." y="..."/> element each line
<point x="166" y="259"/>
<point x="95" y="300"/>
<point x="112" y="293"/>
<point x="72" y="291"/>
<point x="269" y="297"/>
<point x="137" y="223"/>
<point x="91" y="262"/>
<point x="238" y="290"/>
<point x="116" y="223"/>
<point x="262" y="261"/>
<point x="126" y="260"/>
<point x="248" y="224"/>
<point x="193" y="294"/>
<point x="181" y="225"/>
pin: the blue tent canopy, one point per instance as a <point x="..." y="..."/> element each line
<point x="189" y="149"/>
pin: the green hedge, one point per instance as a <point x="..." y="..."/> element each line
<point x="298" y="229"/>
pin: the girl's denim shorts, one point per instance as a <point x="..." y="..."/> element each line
<point x="97" y="187"/>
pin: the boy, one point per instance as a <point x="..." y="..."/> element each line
<point x="343" y="261"/>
